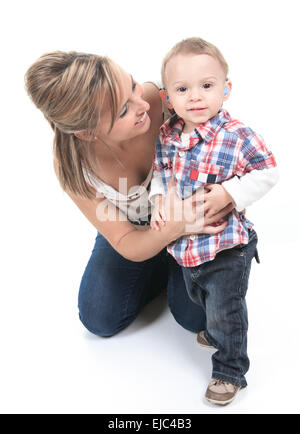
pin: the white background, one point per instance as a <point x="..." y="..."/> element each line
<point x="49" y="362"/>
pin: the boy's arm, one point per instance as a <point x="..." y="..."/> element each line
<point x="162" y="170"/>
<point x="256" y="174"/>
<point x="157" y="187"/>
<point x="156" y="194"/>
<point x="158" y="216"/>
<point x="251" y="187"/>
<point x="257" y="170"/>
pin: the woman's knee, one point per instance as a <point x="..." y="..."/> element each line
<point x="100" y="323"/>
<point x="98" y="299"/>
<point x="113" y="290"/>
<point x="186" y="313"/>
<point x="99" y="329"/>
<point x="194" y="323"/>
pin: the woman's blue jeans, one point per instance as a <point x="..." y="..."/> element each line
<point x="114" y="290"/>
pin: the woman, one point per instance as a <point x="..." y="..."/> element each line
<point x="105" y="127"/>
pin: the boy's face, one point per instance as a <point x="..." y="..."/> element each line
<point x="195" y="85"/>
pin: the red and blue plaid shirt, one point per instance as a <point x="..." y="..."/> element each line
<point x="218" y="150"/>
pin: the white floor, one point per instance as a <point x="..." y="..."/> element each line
<point x="51" y="364"/>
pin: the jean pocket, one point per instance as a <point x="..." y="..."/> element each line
<point x="238" y="250"/>
<point x="244" y="249"/>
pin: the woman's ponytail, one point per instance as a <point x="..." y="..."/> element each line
<point x="69" y="89"/>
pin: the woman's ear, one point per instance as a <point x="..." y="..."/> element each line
<point x="165" y="97"/>
<point x="84" y="135"/>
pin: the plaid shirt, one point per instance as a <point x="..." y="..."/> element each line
<point x="218" y="150"/>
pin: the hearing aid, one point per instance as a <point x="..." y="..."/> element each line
<point x="226" y="91"/>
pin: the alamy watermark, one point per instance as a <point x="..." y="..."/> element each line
<point x="190" y="210"/>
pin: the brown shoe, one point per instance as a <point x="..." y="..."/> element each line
<point x="220" y="392"/>
<point x="201" y="339"/>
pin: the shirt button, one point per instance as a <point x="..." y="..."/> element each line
<point x="193" y="237"/>
<point x="181" y="154"/>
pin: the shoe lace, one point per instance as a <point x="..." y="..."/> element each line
<point x="217" y="382"/>
<point x="223" y="383"/>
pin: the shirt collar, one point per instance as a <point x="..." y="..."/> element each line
<point x="204" y="132"/>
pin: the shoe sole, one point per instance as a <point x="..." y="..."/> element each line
<point x="208" y="347"/>
<point x="213" y="401"/>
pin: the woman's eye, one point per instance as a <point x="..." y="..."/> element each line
<point x="125" y="108"/>
<point x="124" y="111"/>
<point x="181" y="89"/>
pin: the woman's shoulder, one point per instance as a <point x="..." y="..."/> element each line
<point x="153" y="87"/>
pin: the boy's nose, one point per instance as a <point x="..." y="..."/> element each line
<point x="196" y="94"/>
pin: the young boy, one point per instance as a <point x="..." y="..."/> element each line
<point x="198" y="146"/>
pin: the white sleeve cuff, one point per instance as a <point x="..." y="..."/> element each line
<point x="251" y="187"/>
<point x="156" y="186"/>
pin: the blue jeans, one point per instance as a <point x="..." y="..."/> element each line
<point x="220" y="287"/>
<point x="114" y="290"/>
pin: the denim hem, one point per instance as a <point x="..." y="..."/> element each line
<point x="241" y="382"/>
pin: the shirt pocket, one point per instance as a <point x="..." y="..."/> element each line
<point x="205" y="173"/>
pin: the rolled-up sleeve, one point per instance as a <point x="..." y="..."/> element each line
<point x="254" y="155"/>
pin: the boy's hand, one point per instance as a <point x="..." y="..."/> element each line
<point x="215" y="198"/>
<point x="158" y="217"/>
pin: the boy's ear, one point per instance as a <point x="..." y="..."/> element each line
<point x="227" y="90"/>
<point x="164" y="96"/>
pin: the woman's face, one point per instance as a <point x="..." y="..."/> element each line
<point x="132" y="119"/>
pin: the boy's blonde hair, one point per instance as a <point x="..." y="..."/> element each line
<point x="193" y="46"/>
<point x="70" y="89"/>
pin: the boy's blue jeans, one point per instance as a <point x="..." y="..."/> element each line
<point x="114" y="290"/>
<point x="220" y="287"/>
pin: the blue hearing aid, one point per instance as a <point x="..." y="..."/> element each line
<point x="226" y="91"/>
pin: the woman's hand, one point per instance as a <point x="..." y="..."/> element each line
<point x="187" y="216"/>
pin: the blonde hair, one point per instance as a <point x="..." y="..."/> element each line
<point x="194" y="46"/>
<point x="70" y="88"/>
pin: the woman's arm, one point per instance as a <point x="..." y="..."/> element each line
<point x="133" y="244"/>
<point x="137" y="245"/>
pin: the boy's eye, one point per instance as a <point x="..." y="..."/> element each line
<point x="181" y="89"/>
<point x="207" y="85"/>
